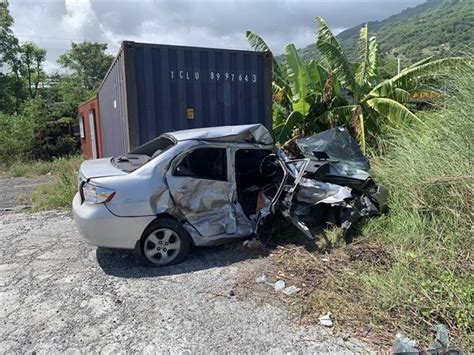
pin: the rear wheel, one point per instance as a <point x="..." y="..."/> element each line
<point x="164" y="242"/>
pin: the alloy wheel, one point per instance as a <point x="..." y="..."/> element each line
<point x="162" y="246"/>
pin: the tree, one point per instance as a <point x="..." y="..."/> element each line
<point x="8" y="51"/>
<point x="371" y="101"/>
<point x="88" y="62"/>
<point x="31" y="66"/>
<point x="301" y="92"/>
<point x="8" y="41"/>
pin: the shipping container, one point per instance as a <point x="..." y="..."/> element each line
<point x="151" y="89"/>
<point x="90" y="128"/>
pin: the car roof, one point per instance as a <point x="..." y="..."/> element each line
<point x="253" y="133"/>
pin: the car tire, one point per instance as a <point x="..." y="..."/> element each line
<point x="164" y="242"/>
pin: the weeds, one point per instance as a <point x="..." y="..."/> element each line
<point x="29" y="169"/>
<point x="39" y="168"/>
<point x="413" y="268"/>
<point x="60" y="192"/>
<point x="428" y="170"/>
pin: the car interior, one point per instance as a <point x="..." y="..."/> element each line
<point x="251" y="177"/>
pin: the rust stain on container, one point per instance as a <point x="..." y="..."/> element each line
<point x="90" y="129"/>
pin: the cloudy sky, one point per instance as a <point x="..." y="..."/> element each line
<point x="53" y="24"/>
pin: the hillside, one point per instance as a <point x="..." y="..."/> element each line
<point x="432" y="28"/>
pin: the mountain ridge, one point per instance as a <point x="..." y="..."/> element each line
<point x="435" y="27"/>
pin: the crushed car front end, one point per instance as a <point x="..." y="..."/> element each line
<point x="328" y="184"/>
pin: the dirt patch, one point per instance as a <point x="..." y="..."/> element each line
<point x="373" y="254"/>
<point x="16" y="192"/>
<point x="322" y="277"/>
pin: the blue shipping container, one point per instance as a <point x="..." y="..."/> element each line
<point x="151" y="89"/>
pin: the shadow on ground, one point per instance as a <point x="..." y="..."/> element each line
<point x="124" y="263"/>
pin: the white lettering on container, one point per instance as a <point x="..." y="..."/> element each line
<point x="250" y="78"/>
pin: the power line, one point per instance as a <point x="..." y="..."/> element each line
<point x="60" y="38"/>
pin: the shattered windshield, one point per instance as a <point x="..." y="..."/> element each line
<point x="142" y="154"/>
<point x="340" y="147"/>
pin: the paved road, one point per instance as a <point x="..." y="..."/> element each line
<point x="58" y="294"/>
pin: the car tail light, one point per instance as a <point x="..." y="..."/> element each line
<point x="96" y="194"/>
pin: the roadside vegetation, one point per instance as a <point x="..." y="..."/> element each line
<point x="60" y="192"/>
<point x="62" y="184"/>
<point x="315" y="95"/>
<point x="428" y="170"/>
<point x="38" y="110"/>
<point x="413" y="268"/>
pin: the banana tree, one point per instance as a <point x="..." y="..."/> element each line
<point x="372" y="101"/>
<point x="301" y="92"/>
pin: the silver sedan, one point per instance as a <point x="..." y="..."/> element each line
<point x="202" y="187"/>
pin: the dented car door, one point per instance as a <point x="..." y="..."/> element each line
<point x="201" y="186"/>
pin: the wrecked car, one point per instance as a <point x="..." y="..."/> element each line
<point x="202" y="187"/>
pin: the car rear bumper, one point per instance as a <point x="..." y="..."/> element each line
<point x="101" y="228"/>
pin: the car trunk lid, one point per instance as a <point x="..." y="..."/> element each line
<point x="99" y="168"/>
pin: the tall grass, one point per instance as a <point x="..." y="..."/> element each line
<point x="428" y="170"/>
<point x="59" y="192"/>
<point x="412" y="268"/>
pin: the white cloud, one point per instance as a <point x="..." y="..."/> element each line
<point x="78" y="15"/>
<point x="53" y="24"/>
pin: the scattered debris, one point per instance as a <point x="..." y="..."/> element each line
<point x="441" y="342"/>
<point x="404" y="345"/>
<point x="441" y="345"/>
<point x="326" y="320"/>
<point x="262" y="279"/>
<point x="291" y="290"/>
<point x="279" y="285"/>
<point x="231" y="295"/>
<point x="18" y="208"/>
<point x="368" y="330"/>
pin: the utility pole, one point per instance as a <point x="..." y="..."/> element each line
<point x="399" y="61"/>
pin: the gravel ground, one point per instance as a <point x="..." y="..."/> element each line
<point x="15" y="193"/>
<point x="59" y="294"/>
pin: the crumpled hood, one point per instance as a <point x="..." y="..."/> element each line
<point x="340" y="147"/>
<point x="99" y="168"/>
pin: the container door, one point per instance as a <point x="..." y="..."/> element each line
<point x="93" y="139"/>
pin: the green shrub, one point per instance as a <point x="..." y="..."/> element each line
<point x="53" y="136"/>
<point x="16" y="137"/>
<point x="29" y="169"/>
<point x="61" y="190"/>
<point x="36" y="134"/>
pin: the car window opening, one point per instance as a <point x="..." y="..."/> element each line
<point x="142" y="155"/>
<point x="204" y="163"/>
<point x="253" y="170"/>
